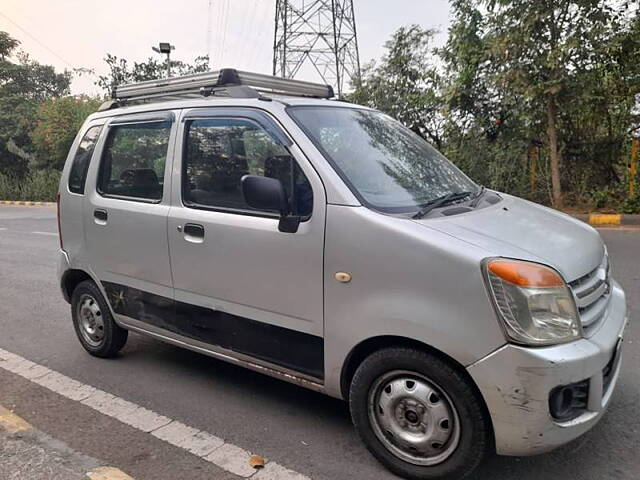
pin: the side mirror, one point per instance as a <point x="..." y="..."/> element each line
<point x="265" y="193"/>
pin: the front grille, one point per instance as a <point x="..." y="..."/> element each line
<point x="591" y="293"/>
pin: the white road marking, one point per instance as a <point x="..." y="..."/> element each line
<point x="213" y="449"/>
<point x="46" y="233"/>
<point x="2" y="228"/>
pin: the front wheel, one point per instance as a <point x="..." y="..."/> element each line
<point x="418" y="415"/>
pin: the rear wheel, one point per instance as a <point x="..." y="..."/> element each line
<point x="93" y="323"/>
<point x="418" y="415"/>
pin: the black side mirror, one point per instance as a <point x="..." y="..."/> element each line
<point x="265" y="193"/>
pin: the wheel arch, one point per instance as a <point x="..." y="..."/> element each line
<point x="365" y="348"/>
<point x="70" y="280"/>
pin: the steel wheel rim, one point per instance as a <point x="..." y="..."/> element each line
<point x="413" y="418"/>
<point x="90" y="320"/>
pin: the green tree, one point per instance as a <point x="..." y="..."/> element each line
<point x="540" y="51"/>
<point x="121" y="71"/>
<point x="24" y="83"/>
<point x="58" y="120"/>
<point x="406" y="84"/>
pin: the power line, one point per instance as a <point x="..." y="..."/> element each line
<point x="249" y="28"/>
<point x="264" y="20"/>
<point x="38" y="41"/>
<point x="208" y="50"/>
<point x="224" y="30"/>
<point x="320" y="35"/>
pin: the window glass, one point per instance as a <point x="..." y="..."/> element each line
<point x="133" y="160"/>
<point x="391" y="168"/>
<point x="82" y="158"/>
<point x="219" y="152"/>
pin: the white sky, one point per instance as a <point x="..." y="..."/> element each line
<point x="79" y="33"/>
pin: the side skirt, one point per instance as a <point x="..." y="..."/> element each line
<point x="263" y="343"/>
<point x="219" y="353"/>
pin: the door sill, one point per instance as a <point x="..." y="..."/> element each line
<point x="221" y="354"/>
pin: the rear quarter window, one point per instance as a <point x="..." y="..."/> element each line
<point x="82" y="158"/>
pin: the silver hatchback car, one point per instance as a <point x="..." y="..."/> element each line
<point x="250" y="218"/>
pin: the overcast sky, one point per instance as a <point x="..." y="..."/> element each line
<point x="78" y="33"/>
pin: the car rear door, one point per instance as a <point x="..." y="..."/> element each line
<point x="125" y="213"/>
<point x="241" y="284"/>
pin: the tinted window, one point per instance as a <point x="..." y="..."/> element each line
<point x="387" y="165"/>
<point x="80" y="165"/>
<point x="219" y="152"/>
<point x="133" y="160"/>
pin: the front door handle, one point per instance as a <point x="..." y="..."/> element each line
<point x="193" y="232"/>
<point x="100" y="216"/>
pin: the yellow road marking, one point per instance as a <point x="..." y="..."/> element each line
<point x="108" y="473"/>
<point x="11" y="422"/>
<point x="26" y="203"/>
<point x="605" y="219"/>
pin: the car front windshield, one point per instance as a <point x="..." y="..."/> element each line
<point x="387" y="166"/>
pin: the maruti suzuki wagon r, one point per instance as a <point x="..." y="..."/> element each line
<point x="253" y="219"/>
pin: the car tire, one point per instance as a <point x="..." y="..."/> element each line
<point x="419" y="415"/>
<point x="93" y="322"/>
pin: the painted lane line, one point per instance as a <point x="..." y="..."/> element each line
<point x="46" y="233"/>
<point x="203" y="444"/>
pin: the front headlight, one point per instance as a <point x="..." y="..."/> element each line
<point x="535" y="305"/>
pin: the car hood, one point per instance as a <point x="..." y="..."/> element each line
<point x="517" y="228"/>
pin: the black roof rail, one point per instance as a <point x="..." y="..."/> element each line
<point x="226" y="82"/>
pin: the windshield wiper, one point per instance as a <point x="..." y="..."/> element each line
<point x="478" y="196"/>
<point x="441" y="201"/>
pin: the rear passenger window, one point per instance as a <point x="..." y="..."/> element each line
<point x="219" y="152"/>
<point x="82" y="158"/>
<point x="133" y="160"/>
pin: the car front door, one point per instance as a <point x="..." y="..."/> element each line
<point x="125" y="213"/>
<point x="242" y="285"/>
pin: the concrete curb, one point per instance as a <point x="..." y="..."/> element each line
<point x="600" y="219"/>
<point x="26" y="203"/>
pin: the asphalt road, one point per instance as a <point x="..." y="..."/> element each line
<point x="300" y="429"/>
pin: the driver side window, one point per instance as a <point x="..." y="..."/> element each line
<point x="220" y="151"/>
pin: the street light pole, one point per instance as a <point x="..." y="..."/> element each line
<point x="165" y="47"/>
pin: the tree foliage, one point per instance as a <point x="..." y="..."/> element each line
<point x="121" y="71"/>
<point x="533" y="97"/>
<point x="58" y="121"/>
<point x="24" y="83"/>
<point x="405" y="84"/>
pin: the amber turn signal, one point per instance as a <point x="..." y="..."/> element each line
<point x="525" y="274"/>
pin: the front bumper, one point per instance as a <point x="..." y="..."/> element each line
<point x="516" y="382"/>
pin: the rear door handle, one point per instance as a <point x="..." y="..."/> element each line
<point x="193" y="232"/>
<point x="100" y="216"/>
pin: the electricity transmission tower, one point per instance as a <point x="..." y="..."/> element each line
<point x="320" y="34"/>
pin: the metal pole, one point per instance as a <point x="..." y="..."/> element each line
<point x="633" y="167"/>
<point x="533" y="154"/>
<point x="355" y="39"/>
<point x="335" y="48"/>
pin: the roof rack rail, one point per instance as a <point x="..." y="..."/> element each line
<point x="227" y="81"/>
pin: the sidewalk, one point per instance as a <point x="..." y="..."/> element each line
<point x="26" y="452"/>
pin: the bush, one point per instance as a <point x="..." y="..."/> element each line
<point x="602" y="197"/>
<point x="39" y="186"/>
<point x="631" y="205"/>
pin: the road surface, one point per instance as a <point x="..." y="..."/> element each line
<point x="304" y="431"/>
